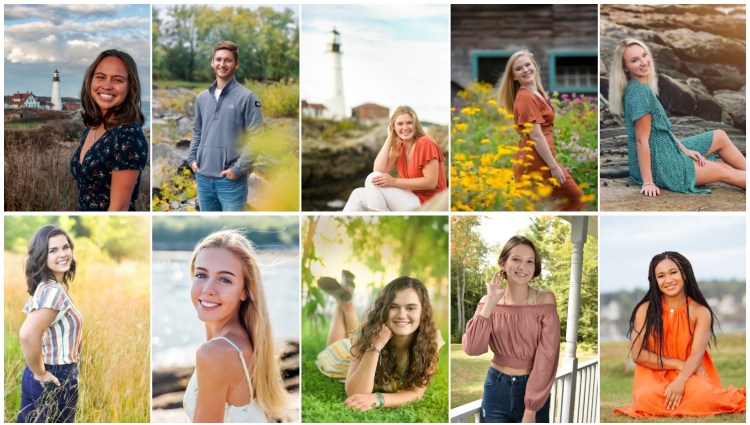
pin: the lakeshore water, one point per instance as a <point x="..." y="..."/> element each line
<point x="177" y="332"/>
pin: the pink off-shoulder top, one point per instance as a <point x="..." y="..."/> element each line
<point x="521" y="337"/>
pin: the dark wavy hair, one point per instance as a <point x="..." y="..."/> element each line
<point x="37" y="271"/>
<point x="653" y="327"/>
<point x="520" y="240"/>
<point x="423" y="352"/>
<point x="128" y="112"/>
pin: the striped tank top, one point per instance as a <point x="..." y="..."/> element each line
<point x="61" y="342"/>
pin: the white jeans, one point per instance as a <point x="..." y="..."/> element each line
<point x="376" y="198"/>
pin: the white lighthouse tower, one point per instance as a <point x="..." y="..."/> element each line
<point x="56" y="99"/>
<point x="335" y="104"/>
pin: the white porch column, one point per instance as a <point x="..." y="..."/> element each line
<point x="578" y="232"/>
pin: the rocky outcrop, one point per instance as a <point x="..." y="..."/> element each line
<point x="698" y="51"/>
<point x="699" y="55"/>
<point x="333" y="166"/>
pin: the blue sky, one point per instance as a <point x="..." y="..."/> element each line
<point x="41" y="38"/>
<point x="393" y="55"/>
<point x="715" y="246"/>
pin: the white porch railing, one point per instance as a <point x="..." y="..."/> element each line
<point x="585" y="409"/>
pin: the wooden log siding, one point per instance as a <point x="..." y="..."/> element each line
<point x="507" y="28"/>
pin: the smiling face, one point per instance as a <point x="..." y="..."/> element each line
<point x="520" y="265"/>
<point x="218" y="285"/>
<point x="524" y="70"/>
<point x="224" y="64"/>
<point x="404" y="126"/>
<point x="405" y="312"/>
<point x="636" y="62"/>
<point x="59" y="256"/>
<point x="669" y="278"/>
<point x="109" y="84"/>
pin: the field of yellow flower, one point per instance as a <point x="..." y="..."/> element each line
<point x="484" y="143"/>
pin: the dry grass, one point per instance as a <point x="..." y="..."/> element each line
<point x="37" y="171"/>
<point x="115" y="360"/>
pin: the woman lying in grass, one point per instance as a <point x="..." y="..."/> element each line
<point x="389" y="359"/>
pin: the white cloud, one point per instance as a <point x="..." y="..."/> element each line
<point x="385" y="60"/>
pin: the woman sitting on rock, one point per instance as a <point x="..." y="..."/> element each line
<point x="656" y="158"/>
<point x="420" y="165"/>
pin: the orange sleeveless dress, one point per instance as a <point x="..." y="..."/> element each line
<point x="704" y="395"/>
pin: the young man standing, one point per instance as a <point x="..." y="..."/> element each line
<point x="219" y="152"/>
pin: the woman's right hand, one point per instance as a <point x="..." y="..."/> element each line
<point x="384" y="335"/>
<point x="558" y="174"/>
<point x="495" y="287"/>
<point x="650" y="189"/>
<point x="47" y="377"/>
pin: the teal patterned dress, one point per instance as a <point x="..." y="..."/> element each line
<point x="670" y="167"/>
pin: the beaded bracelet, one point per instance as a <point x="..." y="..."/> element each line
<point x="381" y="400"/>
<point x="375" y="349"/>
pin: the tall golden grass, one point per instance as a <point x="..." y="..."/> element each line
<point x="37" y="171"/>
<point x="114" y="299"/>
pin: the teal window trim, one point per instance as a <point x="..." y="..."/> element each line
<point x="478" y="54"/>
<point x="553" y="87"/>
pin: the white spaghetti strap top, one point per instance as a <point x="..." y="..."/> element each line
<point x="249" y="413"/>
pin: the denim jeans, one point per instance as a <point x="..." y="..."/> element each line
<point x="221" y="194"/>
<point x="48" y="402"/>
<point x="503" y="396"/>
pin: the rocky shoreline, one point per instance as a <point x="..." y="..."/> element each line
<point x="699" y="53"/>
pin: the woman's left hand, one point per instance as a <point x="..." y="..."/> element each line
<point x="384" y="180"/>
<point x="673" y="394"/>
<point x="363" y="402"/>
<point x="529" y="417"/>
<point x="696" y="156"/>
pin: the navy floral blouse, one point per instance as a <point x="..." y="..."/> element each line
<point x="122" y="148"/>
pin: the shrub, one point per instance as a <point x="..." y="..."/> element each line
<point x="485" y="141"/>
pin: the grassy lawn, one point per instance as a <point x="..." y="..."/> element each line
<point x="617" y="378"/>
<point x="468" y="373"/>
<point x="323" y="397"/>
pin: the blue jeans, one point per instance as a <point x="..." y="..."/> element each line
<point x="222" y="193"/>
<point x="49" y="403"/>
<point x="503" y="396"/>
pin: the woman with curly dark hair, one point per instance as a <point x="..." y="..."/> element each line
<point x="390" y="359"/>
<point x="113" y="150"/>
<point x="670" y="330"/>
<point x="521" y="326"/>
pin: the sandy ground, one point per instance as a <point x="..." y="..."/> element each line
<point x="622" y="195"/>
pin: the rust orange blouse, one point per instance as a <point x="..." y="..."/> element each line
<point x="521" y="337"/>
<point x="425" y="150"/>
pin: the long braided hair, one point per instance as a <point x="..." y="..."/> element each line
<point x="653" y="327"/>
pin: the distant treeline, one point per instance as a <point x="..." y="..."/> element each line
<point x="267" y="233"/>
<point x="184" y="37"/>
<point x="709" y="288"/>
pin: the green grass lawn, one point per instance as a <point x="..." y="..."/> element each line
<point x="468" y="373"/>
<point x="617" y="378"/>
<point x="323" y="397"/>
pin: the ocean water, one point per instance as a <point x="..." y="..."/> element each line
<point x="176" y="331"/>
<point x="146" y="109"/>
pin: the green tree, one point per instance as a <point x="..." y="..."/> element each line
<point x="467" y="270"/>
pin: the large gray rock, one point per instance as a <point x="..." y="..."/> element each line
<point x="167" y="162"/>
<point x="735" y="104"/>
<point x="717" y="76"/>
<point x="705" y="48"/>
<point x="677" y="97"/>
<point x="707" y="107"/>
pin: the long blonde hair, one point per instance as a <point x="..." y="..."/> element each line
<point x="266" y="374"/>
<point x="509" y="86"/>
<point x="418" y="131"/>
<point x="618" y="80"/>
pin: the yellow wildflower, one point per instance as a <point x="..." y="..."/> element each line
<point x="492" y="102"/>
<point x="484" y="141"/>
<point x="461" y="126"/>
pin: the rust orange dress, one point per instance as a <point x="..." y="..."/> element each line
<point x="530" y="108"/>
<point x="704" y="395"/>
